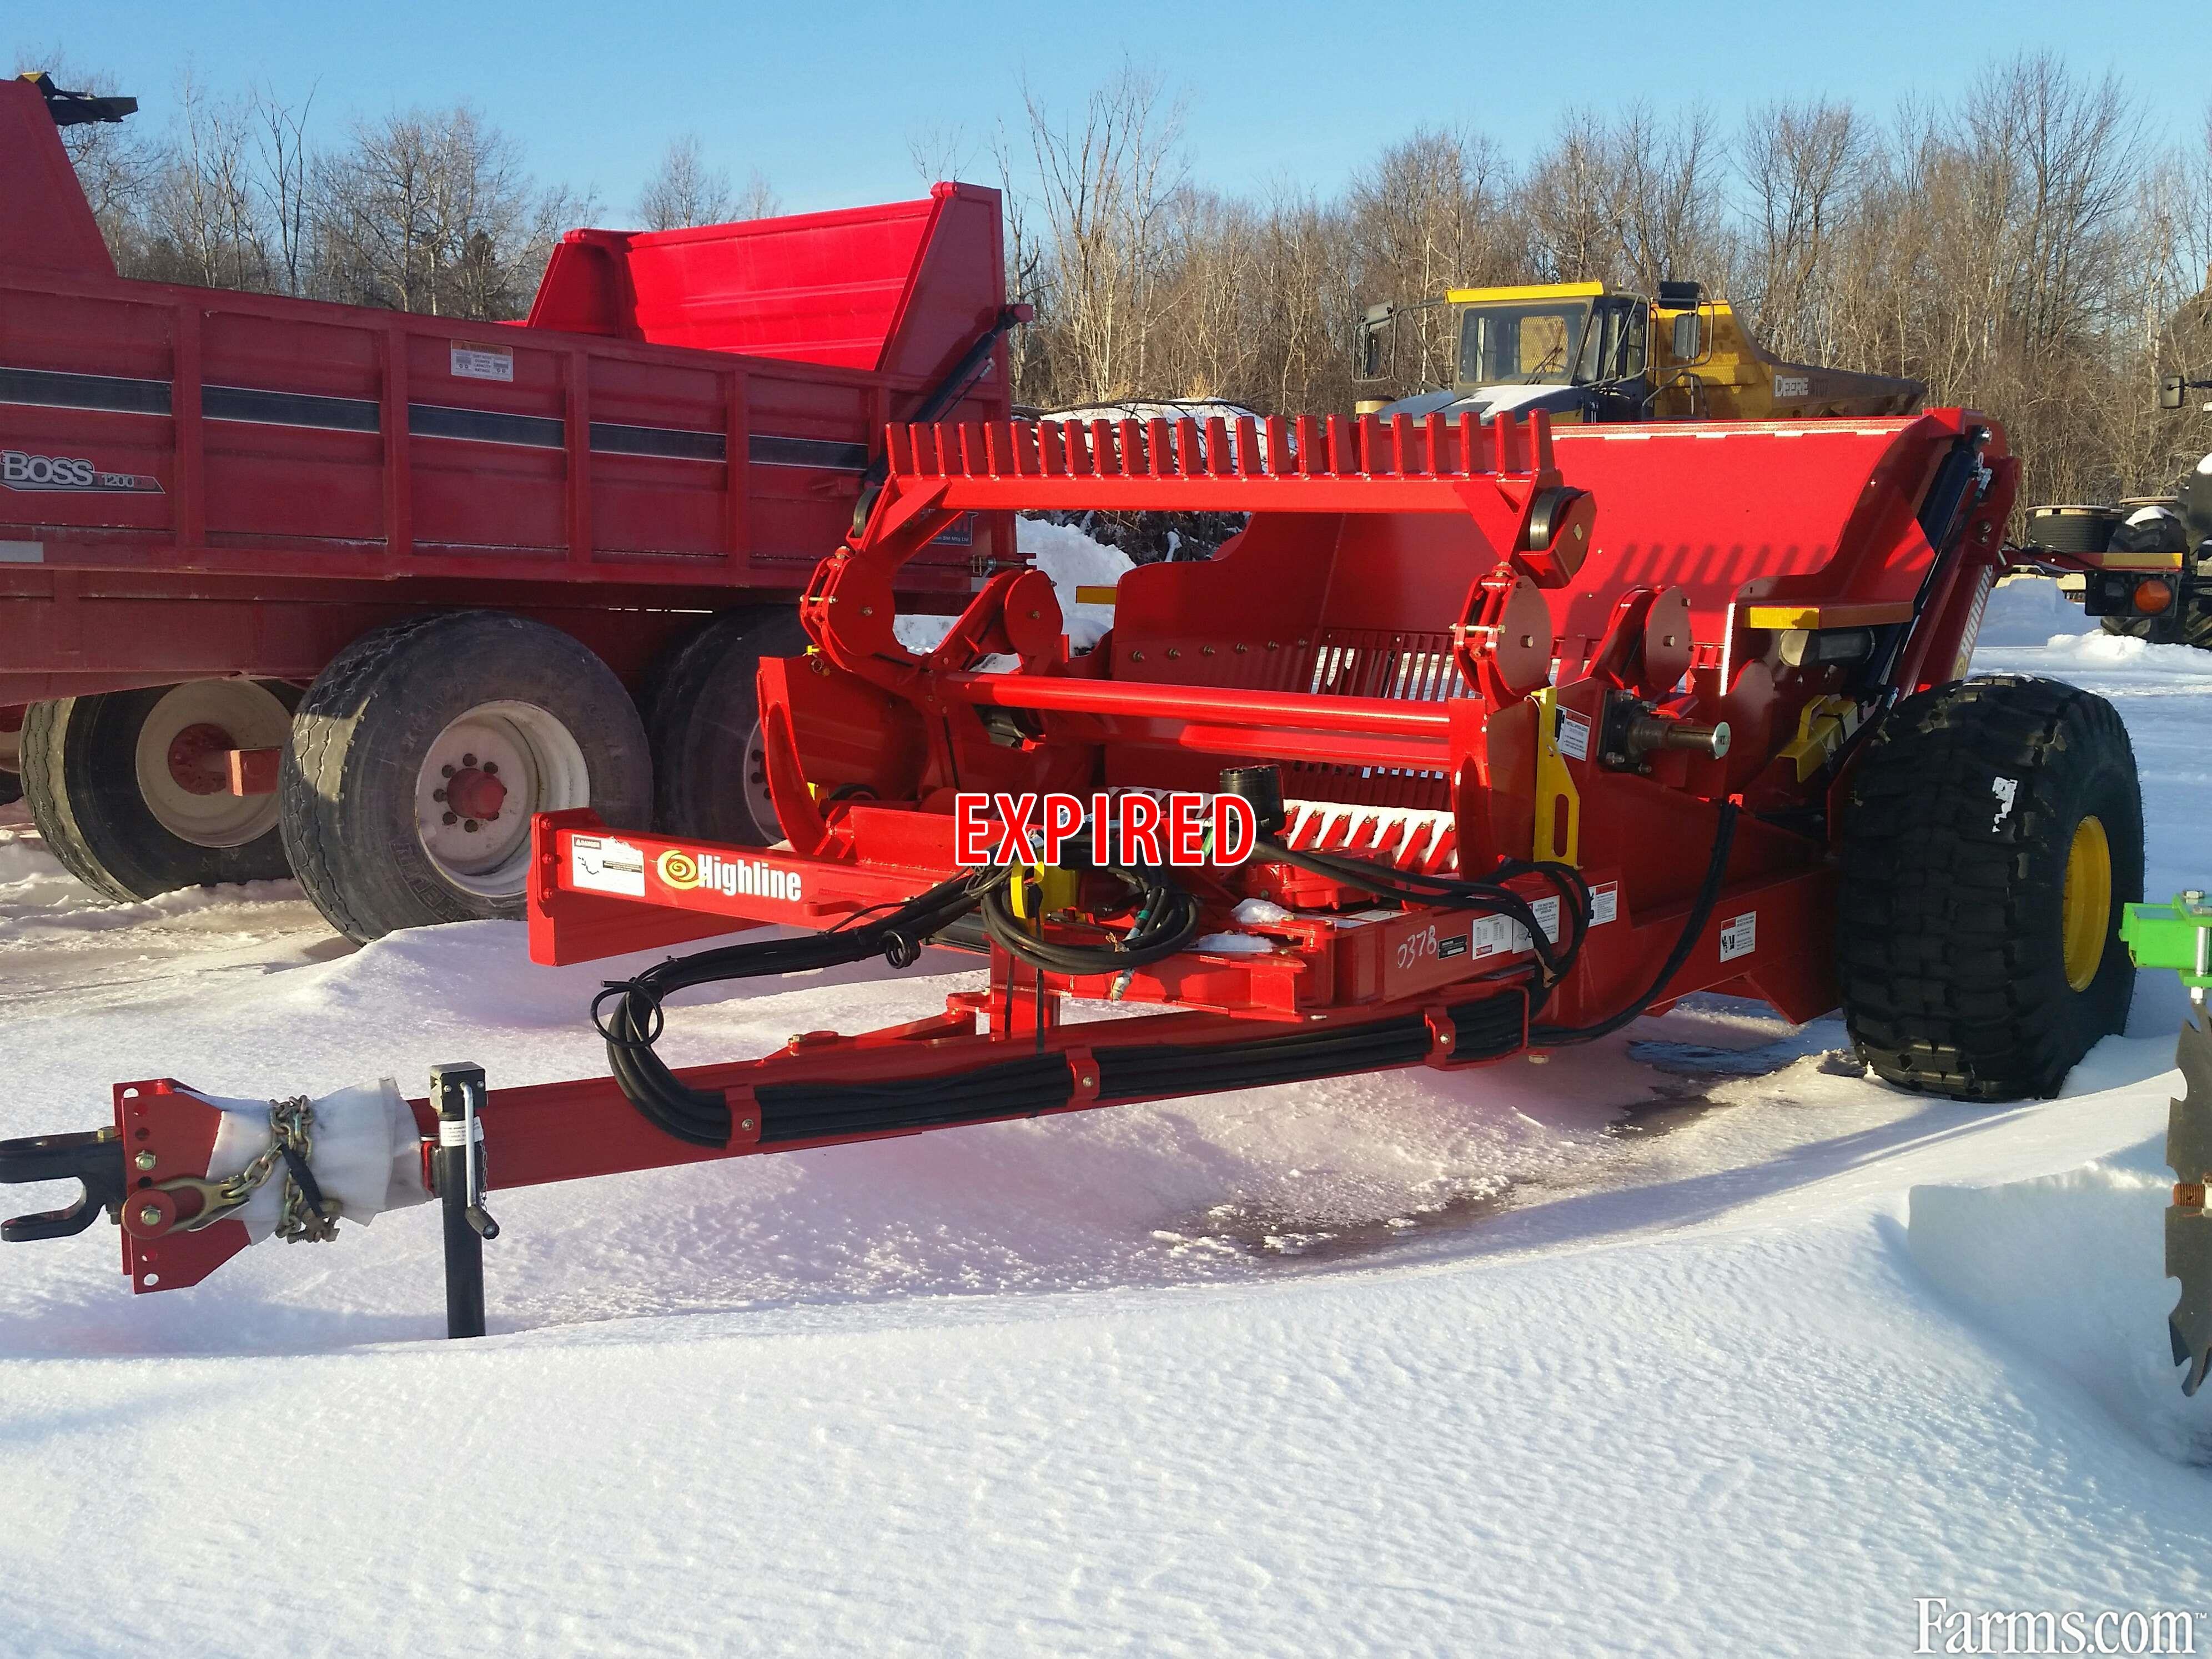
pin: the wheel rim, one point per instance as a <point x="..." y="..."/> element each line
<point x="482" y="778"/>
<point x="759" y="801"/>
<point x="2086" y="905"/>
<point x="181" y="760"/>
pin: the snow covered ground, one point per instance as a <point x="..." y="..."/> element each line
<point x="1693" y="1344"/>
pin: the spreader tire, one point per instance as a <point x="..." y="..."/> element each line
<point x="710" y="778"/>
<point x="126" y="821"/>
<point x="420" y="752"/>
<point x="1992" y="833"/>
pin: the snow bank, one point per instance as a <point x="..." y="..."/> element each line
<point x="1071" y="559"/>
<point x="2068" y="1269"/>
<point x="1689" y="1342"/>
<point x="2030" y="611"/>
<point x="2115" y="658"/>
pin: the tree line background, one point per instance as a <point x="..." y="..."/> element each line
<point x="2033" y="247"/>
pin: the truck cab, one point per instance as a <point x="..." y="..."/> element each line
<point x="1584" y="352"/>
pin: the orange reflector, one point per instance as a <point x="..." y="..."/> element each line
<point x="2153" y="596"/>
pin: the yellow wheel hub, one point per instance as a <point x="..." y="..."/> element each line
<point x="2084" y="908"/>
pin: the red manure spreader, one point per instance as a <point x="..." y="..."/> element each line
<point x="1536" y="731"/>
<point x="289" y="587"/>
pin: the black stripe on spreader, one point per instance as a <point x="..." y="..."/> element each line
<point x="44" y="389"/>
<point x="808" y="451"/>
<point x="668" y="442"/>
<point x="245" y="405"/>
<point x="481" y="426"/>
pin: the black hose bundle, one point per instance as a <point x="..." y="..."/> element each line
<point x="1489" y="893"/>
<point x="1166" y="919"/>
<point x="1709" y="892"/>
<point x="701" y="1116"/>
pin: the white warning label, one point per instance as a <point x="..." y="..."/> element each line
<point x="1496" y="935"/>
<point x="483" y="362"/>
<point x="1605" y="904"/>
<point x="1740" y="936"/>
<point x="1493" y="936"/>
<point x="603" y="864"/>
<point x="1574" y="735"/>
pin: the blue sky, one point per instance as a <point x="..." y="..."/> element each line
<point x="824" y="99"/>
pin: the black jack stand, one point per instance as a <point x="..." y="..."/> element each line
<point x="457" y="1174"/>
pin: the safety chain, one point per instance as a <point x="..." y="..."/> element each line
<point x="302" y="1210"/>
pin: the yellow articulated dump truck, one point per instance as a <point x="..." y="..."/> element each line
<point x="1583" y="351"/>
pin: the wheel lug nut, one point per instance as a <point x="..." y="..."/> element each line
<point x="491" y="768"/>
<point x="437" y="794"/>
<point x="471" y="826"/>
<point x="468" y="760"/>
<point x="452" y="817"/>
<point x="444" y="771"/>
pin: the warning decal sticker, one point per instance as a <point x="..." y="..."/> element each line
<point x="483" y="362"/>
<point x="606" y="864"/>
<point x="1740" y="936"/>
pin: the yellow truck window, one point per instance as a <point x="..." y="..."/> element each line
<point x="1508" y="343"/>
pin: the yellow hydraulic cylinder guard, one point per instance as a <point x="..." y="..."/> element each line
<point x="1559" y="803"/>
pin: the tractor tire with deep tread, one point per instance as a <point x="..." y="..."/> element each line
<point x="710" y="781"/>
<point x="1952" y="946"/>
<point x="373" y="834"/>
<point x="87" y="783"/>
<point x="2171" y="629"/>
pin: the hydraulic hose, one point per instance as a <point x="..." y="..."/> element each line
<point x="703" y="1117"/>
<point x="1166" y="919"/>
<point x="1490" y="894"/>
<point x="1701" y="910"/>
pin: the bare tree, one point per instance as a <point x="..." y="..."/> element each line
<point x="684" y="190"/>
<point x="1667" y="195"/>
<point x="1431" y="214"/>
<point x="2020" y="246"/>
<point x="938" y="150"/>
<point x="202" y="211"/>
<point x="1105" y="187"/>
<point x="430" y="211"/>
<point x="1572" y="198"/>
<point x="1804" y="166"/>
<point x="758" y="199"/>
<point x="283" y="180"/>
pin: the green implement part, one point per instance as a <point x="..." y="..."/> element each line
<point x="2179" y="936"/>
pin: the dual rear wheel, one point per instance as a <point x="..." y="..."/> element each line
<point x="407" y="773"/>
<point x="131" y="789"/>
